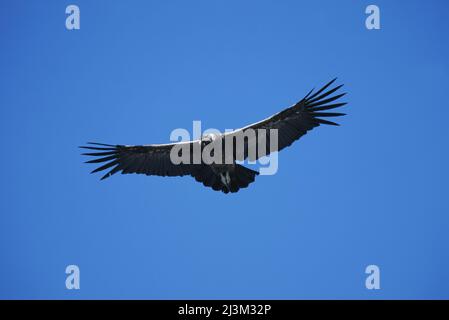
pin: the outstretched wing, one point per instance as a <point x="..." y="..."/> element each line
<point x="293" y="122"/>
<point x="146" y="159"/>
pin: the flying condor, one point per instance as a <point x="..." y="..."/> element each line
<point x="155" y="159"/>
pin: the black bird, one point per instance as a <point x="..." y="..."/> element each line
<point x="154" y="159"/>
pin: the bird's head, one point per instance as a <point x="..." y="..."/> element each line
<point x="208" y="138"/>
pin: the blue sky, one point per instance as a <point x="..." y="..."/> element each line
<point x="373" y="191"/>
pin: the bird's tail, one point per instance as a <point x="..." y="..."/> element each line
<point x="240" y="178"/>
<point x="231" y="181"/>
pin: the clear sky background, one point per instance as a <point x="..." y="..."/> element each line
<point x="373" y="191"/>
